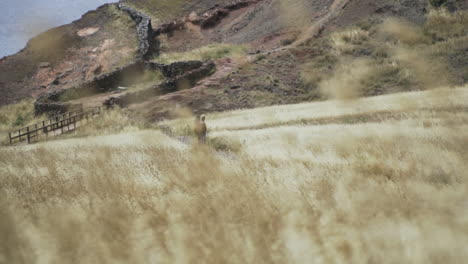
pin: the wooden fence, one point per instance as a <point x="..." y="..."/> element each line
<point x="60" y="124"/>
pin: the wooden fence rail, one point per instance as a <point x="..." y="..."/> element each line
<point x="67" y="120"/>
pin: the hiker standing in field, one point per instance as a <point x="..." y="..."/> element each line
<point x="200" y="128"/>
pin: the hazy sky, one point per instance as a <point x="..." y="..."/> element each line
<point x="22" y="19"/>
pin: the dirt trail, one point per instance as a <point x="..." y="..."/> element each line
<point x="316" y="28"/>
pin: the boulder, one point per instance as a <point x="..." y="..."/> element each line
<point x="43" y="65"/>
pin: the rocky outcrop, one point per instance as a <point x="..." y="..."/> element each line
<point x="209" y="19"/>
<point x="180" y="80"/>
<point x="213" y="16"/>
<point x="146" y="36"/>
<point x="177" y="68"/>
<point x="168" y="28"/>
<point x="44" y="65"/>
<point x="188" y="79"/>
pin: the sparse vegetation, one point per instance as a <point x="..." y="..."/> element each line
<point x="320" y="67"/>
<point x="210" y="52"/>
<point x="400" y="56"/>
<point x="121" y="20"/>
<point x="159" y="10"/>
<point x="441" y="25"/>
<point x="346" y="39"/>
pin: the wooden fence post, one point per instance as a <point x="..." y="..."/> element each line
<point x="9" y="134"/>
<point x="70" y="122"/>
<point x="28" y="135"/>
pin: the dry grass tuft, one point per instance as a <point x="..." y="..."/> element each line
<point x="209" y="52"/>
<point x="403" y="31"/>
<point x="347" y="81"/>
<point x="443" y="25"/>
<point x="345" y="40"/>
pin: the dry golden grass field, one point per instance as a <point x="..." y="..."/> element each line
<point x="373" y="180"/>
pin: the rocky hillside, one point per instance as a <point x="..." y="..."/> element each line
<point x="159" y="56"/>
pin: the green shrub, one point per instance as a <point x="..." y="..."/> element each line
<point x="287" y="42"/>
<point x="20" y="120"/>
<point x="260" y="57"/>
<point x="437" y="3"/>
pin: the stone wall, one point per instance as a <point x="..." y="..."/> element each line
<point x="147" y="44"/>
<point x="180" y="75"/>
<point x="178" y="82"/>
<point x="177" y="68"/>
